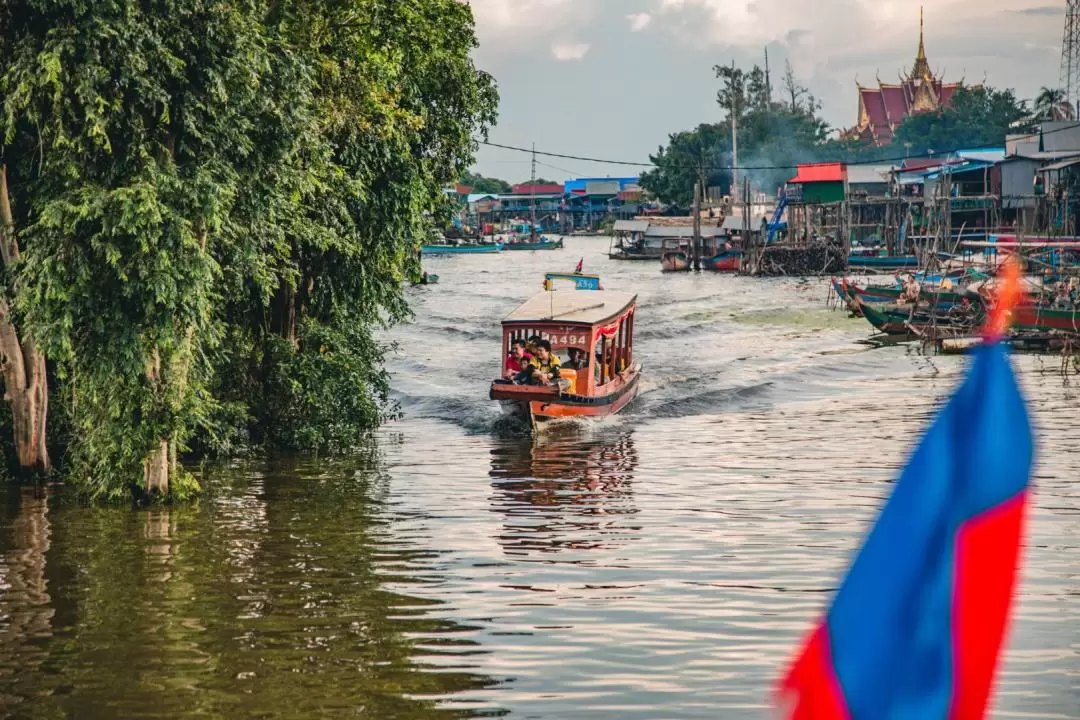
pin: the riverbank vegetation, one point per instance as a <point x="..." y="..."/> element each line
<point x="781" y="127"/>
<point x="208" y="208"/>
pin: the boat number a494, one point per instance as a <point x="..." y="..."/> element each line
<point x="564" y="339"/>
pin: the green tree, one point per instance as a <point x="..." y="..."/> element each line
<point x="772" y="137"/>
<point x="398" y="108"/>
<point x="122" y="132"/>
<point x="974" y="117"/>
<point x="694" y="156"/>
<point x="1051" y="104"/>
<point x="212" y="203"/>
<point x="481" y="184"/>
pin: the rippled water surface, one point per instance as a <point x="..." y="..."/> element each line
<point x="663" y="564"/>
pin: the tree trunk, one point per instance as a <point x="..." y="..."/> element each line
<point x="284" y="313"/>
<point x="157" y="465"/>
<point x="156" y="471"/>
<point x="25" y="388"/>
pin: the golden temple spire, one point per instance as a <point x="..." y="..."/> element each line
<point x="921" y="71"/>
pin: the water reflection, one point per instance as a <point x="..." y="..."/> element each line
<point x="287" y="590"/>
<point x="565" y="491"/>
<point x="25" y="611"/>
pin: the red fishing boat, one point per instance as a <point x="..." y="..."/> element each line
<point x="599" y="324"/>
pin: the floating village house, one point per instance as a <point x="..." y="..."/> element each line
<point x="546" y="198"/>
<point x="884" y="108"/>
<point x="816" y="199"/>
<point x="591" y="201"/>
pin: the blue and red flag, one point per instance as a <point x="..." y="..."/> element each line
<point x="917" y="626"/>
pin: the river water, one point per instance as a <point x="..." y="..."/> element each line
<point x="662" y="564"/>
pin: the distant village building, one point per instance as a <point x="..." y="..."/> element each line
<point x="884" y="108"/>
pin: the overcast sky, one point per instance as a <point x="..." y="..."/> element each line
<point x="612" y="78"/>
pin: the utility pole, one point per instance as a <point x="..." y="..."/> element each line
<point x="768" y="82"/>
<point x="1070" y="54"/>
<point x="734" y="110"/>
<point x="532" y="197"/>
<point x="695" y="249"/>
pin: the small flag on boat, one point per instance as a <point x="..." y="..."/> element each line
<point x="580" y="265"/>
<point x="917" y="626"/>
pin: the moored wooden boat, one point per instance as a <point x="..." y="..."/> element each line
<point x="675" y="261"/>
<point x="724" y="261"/>
<point x="461" y="249"/>
<point x="904" y="320"/>
<point x="540" y="244"/>
<point x="880" y="262"/>
<point x="597" y="323"/>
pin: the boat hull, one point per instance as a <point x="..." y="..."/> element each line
<point x="882" y="263"/>
<point x="900" y="320"/>
<point x="724" y="262"/>
<point x="461" y="249"/>
<point x="675" y="262"/>
<point x="556" y="245"/>
<point x="541" y="404"/>
<point x="629" y="254"/>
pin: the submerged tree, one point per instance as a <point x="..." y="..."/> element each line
<point x="214" y="202"/>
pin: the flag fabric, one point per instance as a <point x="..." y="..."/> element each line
<point x="580" y="265"/>
<point x="917" y="626"/>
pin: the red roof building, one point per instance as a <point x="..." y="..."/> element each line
<point x="820" y="172"/>
<point x="527" y="189"/>
<point x="882" y="109"/>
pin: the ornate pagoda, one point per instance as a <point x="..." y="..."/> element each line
<point x="882" y="109"/>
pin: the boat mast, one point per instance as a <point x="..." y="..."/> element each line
<point x="532" y="197"/>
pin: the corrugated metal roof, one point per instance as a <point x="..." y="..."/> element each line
<point x="735" y="222"/>
<point x="477" y="197"/>
<point x="572" y="306"/>
<point x="631" y="225"/>
<point x="578" y="185"/>
<point x="820" y="172"/>
<point x="992" y="155"/>
<point x="869" y="174"/>
<point x="682" y="231"/>
<point x="1061" y="165"/>
<point x="1039" y="155"/>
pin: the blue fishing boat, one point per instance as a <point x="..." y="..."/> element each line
<point x="461" y="249"/>
<point x="724" y="261"/>
<point x="880" y="262"/>
<point x="541" y="243"/>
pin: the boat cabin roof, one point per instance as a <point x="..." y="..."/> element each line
<point x="588" y="307"/>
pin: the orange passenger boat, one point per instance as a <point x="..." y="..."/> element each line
<point x="600" y="324"/>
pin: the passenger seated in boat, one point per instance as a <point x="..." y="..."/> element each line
<point x="543" y="369"/>
<point x="530" y="347"/>
<point x="516" y="361"/>
<point x="577" y="361"/>
<point x="910" y="293"/>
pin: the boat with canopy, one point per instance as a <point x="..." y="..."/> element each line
<point x="599" y="326"/>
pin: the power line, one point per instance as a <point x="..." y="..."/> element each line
<point x="750" y="168"/>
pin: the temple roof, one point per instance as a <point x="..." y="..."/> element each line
<point x="882" y="109"/>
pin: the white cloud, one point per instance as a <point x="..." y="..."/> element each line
<point x="639" y="21"/>
<point x="507" y="14"/>
<point x="569" y="51"/>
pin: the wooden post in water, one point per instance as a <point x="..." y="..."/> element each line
<point x="695" y="244"/>
<point x="746" y="211"/>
